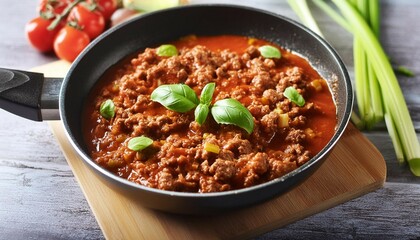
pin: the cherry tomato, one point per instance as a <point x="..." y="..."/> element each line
<point x="106" y="7"/>
<point x="91" y="22"/>
<point x="70" y="42"/>
<point x="39" y="36"/>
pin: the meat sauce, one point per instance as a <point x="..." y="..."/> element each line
<point x="178" y="159"/>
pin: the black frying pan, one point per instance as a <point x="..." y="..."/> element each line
<point x="29" y="95"/>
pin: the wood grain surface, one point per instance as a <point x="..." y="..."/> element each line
<point x="40" y="198"/>
<point x="355" y="167"/>
<point x="345" y="175"/>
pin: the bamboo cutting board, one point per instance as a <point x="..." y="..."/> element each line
<point x="355" y="167"/>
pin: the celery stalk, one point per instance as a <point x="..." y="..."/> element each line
<point x="390" y="125"/>
<point x="376" y="96"/>
<point x="368" y="93"/>
<point x="333" y="14"/>
<point x="374" y="19"/>
<point x="393" y="96"/>
<point x="302" y="10"/>
<point x="367" y="79"/>
<point x="362" y="88"/>
<point x="388" y="100"/>
<point x="377" y="101"/>
<point x="360" y="72"/>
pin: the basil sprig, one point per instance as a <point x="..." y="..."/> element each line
<point x="139" y="143"/>
<point x="175" y="97"/>
<point x="293" y="95"/>
<point x="268" y="51"/>
<point x="107" y="109"/>
<point x="181" y="98"/>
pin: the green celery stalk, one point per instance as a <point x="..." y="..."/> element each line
<point x="374" y="19"/>
<point x="333" y="14"/>
<point x="300" y="7"/>
<point x="302" y="10"/>
<point x="396" y="142"/>
<point x="371" y="90"/>
<point x="377" y="101"/>
<point x="393" y="96"/>
<point x="361" y="83"/>
<point x="368" y="93"/>
<point x="394" y="108"/>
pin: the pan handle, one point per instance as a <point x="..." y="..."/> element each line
<point x="29" y="94"/>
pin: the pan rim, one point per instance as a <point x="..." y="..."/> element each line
<point x="341" y="126"/>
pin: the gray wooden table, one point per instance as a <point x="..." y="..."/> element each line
<point x="40" y="199"/>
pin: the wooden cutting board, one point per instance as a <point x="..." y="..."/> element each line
<point x="355" y="167"/>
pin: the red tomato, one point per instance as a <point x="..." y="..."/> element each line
<point x="70" y="42"/>
<point x="91" y="22"/>
<point x="106" y="7"/>
<point x="39" y="36"/>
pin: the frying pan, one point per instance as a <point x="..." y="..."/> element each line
<point x="30" y="95"/>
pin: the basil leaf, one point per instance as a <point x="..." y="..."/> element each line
<point x="201" y="113"/>
<point x="139" y="143"/>
<point x="293" y="95"/>
<point x="167" y="50"/>
<point x="107" y="109"/>
<point x="268" y="51"/>
<point x="175" y="97"/>
<point x="231" y="111"/>
<point x="207" y="93"/>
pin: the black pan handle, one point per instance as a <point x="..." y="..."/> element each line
<point x="29" y="94"/>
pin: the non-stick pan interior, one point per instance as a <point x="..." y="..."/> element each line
<point x="150" y="30"/>
<point x="168" y="25"/>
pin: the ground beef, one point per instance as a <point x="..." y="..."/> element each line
<point x="269" y="122"/>
<point x="178" y="159"/>
<point x="223" y="170"/>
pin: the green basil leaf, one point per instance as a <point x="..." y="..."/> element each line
<point x="268" y="51"/>
<point x="167" y="50"/>
<point x="139" y="143"/>
<point x="175" y="97"/>
<point x="207" y="93"/>
<point x="201" y="113"/>
<point x="107" y="109"/>
<point x="231" y="111"/>
<point x="293" y="95"/>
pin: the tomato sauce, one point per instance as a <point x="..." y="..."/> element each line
<point x="179" y="158"/>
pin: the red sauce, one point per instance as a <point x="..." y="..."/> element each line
<point x="177" y="160"/>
